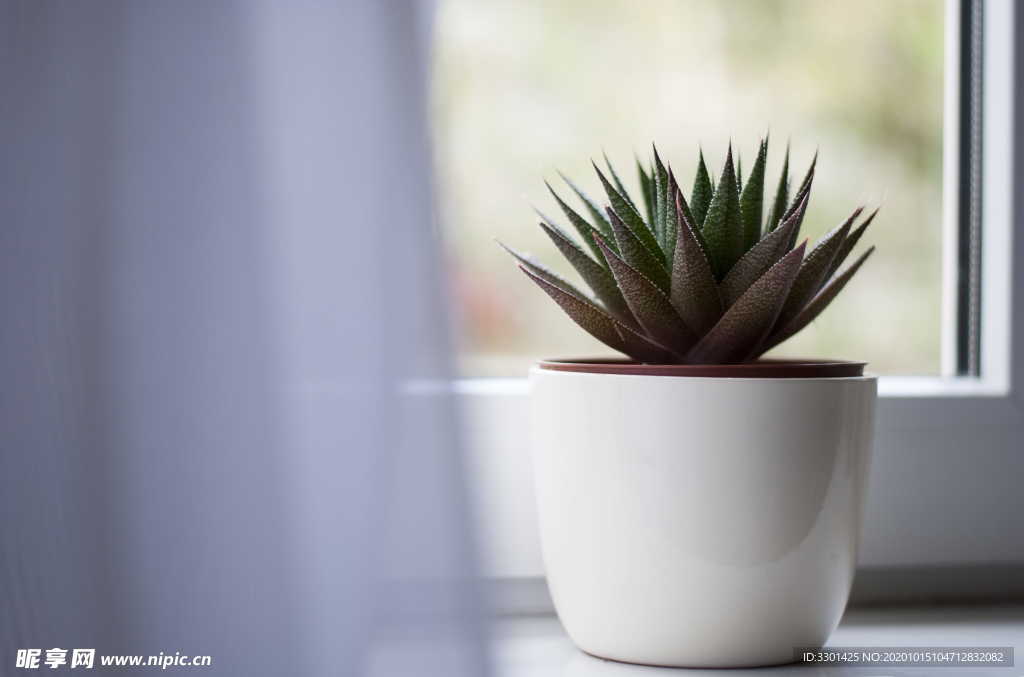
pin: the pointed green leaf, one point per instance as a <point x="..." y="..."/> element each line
<point x="676" y="202"/>
<point x="599" y="324"/>
<point x="722" y="230"/>
<point x="814" y="269"/>
<point x="781" y="196"/>
<point x="752" y="199"/>
<point x="581" y="225"/>
<point x="597" y="277"/>
<point x="736" y="336"/>
<point x="650" y="306"/>
<point x="700" y="197"/>
<point x="820" y="301"/>
<point x="680" y="202"/>
<point x="849" y="243"/>
<point x="647" y="186"/>
<point x="760" y="258"/>
<point x="694" y="290"/>
<point x="636" y="253"/>
<point x="660" y="175"/>
<point x="618" y="182"/>
<point x="596" y="213"/>
<point x="625" y="211"/>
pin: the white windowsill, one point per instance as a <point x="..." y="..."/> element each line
<point x="538" y="647"/>
<point x="888" y="386"/>
<point x="943" y="488"/>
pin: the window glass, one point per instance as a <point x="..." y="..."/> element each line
<point x="524" y="88"/>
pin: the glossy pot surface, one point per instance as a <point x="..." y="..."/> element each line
<point x="696" y="521"/>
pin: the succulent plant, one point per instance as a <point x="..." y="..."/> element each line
<point x="704" y="281"/>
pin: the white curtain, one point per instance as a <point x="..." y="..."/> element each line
<point x="221" y="301"/>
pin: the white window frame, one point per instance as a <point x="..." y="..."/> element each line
<point x="946" y="478"/>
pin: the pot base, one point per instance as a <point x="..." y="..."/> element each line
<point x="767" y="368"/>
<point x="679" y="666"/>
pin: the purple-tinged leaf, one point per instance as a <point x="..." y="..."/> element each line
<point x="599" y="324"/>
<point x="597" y="277"/>
<point x="650" y="306"/>
<point x="817" y="304"/>
<point x="643" y="349"/>
<point x="694" y="290"/>
<point x="797" y="216"/>
<point x="760" y="258"/>
<point x="814" y="270"/>
<point x="745" y="324"/>
<point x="549" y="276"/>
<point x="805" y="185"/>
<point x="803" y="191"/>
<point x="849" y="243"/>
<point x="637" y="254"/>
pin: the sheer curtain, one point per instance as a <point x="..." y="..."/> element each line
<point x="221" y="303"/>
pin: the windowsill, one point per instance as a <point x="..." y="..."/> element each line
<point x="888" y="386"/>
<point x="946" y="459"/>
<point x="536" y="646"/>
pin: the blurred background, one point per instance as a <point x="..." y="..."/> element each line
<point x="523" y="88"/>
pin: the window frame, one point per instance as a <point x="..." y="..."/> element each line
<point x="947" y="449"/>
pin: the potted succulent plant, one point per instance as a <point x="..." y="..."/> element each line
<point x="699" y="506"/>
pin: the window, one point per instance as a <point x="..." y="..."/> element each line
<point x="523" y="89"/>
<point x="912" y="103"/>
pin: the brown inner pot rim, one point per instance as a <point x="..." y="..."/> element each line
<point x="765" y="368"/>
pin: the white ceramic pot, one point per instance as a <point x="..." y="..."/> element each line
<point x="700" y="522"/>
